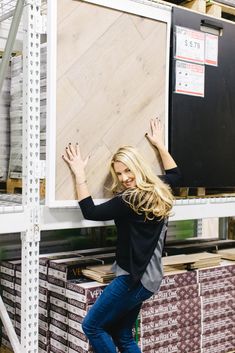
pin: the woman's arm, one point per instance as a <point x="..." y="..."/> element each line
<point x="77" y="165"/>
<point x="156" y="138"/>
<point x="112" y="209"/>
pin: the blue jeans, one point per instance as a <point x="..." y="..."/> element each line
<point x="110" y="320"/>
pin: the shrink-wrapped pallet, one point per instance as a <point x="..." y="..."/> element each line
<point x="4" y="126"/>
<point x="16" y="113"/>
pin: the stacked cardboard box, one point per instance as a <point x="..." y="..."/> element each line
<point x="8" y="292"/>
<point x="217" y="290"/>
<point x="170" y="321"/>
<point x="4" y="126"/>
<point x="193" y="312"/>
<point x="80" y="297"/>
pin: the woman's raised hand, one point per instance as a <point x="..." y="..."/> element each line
<point x="156" y="136"/>
<point x="75" y="162"/>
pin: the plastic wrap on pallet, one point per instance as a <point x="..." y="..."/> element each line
<point x="16" y="113"/>
<point x="4" y="126"/>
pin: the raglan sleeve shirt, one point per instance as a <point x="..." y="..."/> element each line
<point x="116" y="207"/>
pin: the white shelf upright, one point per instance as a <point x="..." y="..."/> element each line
<point x="30" y="232"/>
<point x="31" y="184"/>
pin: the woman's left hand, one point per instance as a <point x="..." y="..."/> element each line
<point x="75" y="162"/>
<point x="156" y="136"/>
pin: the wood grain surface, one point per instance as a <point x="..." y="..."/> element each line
<point x="110" y="82"/>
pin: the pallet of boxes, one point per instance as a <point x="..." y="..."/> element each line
<point x="65" y="296"/>
<point x="193" y="312"/>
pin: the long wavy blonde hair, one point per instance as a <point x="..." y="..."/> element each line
<point x="151" y="195"/>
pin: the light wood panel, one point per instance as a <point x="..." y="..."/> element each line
<point x="110" y="82"/>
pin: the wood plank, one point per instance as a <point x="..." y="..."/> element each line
<point x="196" y="5"/>
<point x="110" y="82"/>
<point x="228" y="254"/>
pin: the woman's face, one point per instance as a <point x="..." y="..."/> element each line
<point x="125" y="176"/>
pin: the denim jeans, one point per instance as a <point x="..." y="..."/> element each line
<point x="110" y="320"/>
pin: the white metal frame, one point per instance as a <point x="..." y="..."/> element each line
<point x="31" y="184"/>
<point x="27" y="216"/>
<point x="30" y="217"/>
<point x="144" y="8"/>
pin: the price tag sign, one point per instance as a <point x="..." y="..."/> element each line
<point x="189" y="79"/>
<point x="211" y="50"/>
<point x="190" y="45"/>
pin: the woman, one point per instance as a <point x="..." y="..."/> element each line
<point x="140" y="209"/>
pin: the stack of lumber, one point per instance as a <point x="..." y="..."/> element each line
<point x="228" y="254"/>
<point x="101" y="273"/>
<point x="190" y="261"/>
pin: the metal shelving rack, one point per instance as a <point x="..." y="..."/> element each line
<point x="30" y="218"/>
<point x="28" y="213"/>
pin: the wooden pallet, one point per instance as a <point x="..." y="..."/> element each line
<point x="211" y="7"/>
<point x="14" y="186"/>
<point x="217" y="9"/>
<point x="201" y="192"/>
<point x="5" y="350"/>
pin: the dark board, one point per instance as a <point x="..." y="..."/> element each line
<point x="202" y="130"/>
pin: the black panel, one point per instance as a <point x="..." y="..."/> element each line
<point x="202" y="130"/>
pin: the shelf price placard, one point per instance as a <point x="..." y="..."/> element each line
<point x="190" y="78"/>
<point x="211" y="49"/>
<point x="190" y="45"/>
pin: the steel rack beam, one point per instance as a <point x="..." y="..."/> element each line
<point x="11" y="39"/>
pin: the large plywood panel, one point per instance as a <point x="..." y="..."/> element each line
<point x="110" y="82"/>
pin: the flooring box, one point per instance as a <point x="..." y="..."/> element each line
<point x="58" y="342"/>
<point x="77" y="307"/>
<point x="67" y="269"/>
<point x="43" y="348"/>
<point x="214" y="287"/>
<point x="58" y="300"/>
<point x="167" y="322"/>
<point x="9" y="267"/>
<point x="84" y="292"/>
<point x="212" y="303"/>
<point x="43" y="322"/>
<point x="173" y="294"/>
<point x="225" y="347"/>
<point x="8" y="293"/>
<point x="226" y="269"/>
<point x="59" y="314"/>
<point x="169" y="349"/>
<point x="74" y="337"/>
<point x="55" y="350"/>
<point x="10" y="306"/>
<point x="43" y="294"/>
<point x="211" y="326"/>
<point x="189" y="346"/>
<point x="75" y="321"/>
<point x="218" y="337"/>
<point x="59" y="328"/>
<point x="183" y="307"/>
<point x="178" y="279"/>
<point x="56" y="285"/>
<point x="43" y="336"/>
<point x="171" y="335"/>
<point x="7" y="281"/>
<point x="43" y="308"/>
<point x="165" y="338"/>
<point x="73" y="348"/>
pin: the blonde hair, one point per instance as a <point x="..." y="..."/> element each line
<point x="151" y="195"/>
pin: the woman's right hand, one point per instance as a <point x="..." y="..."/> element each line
<point x="75" y="162"/>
